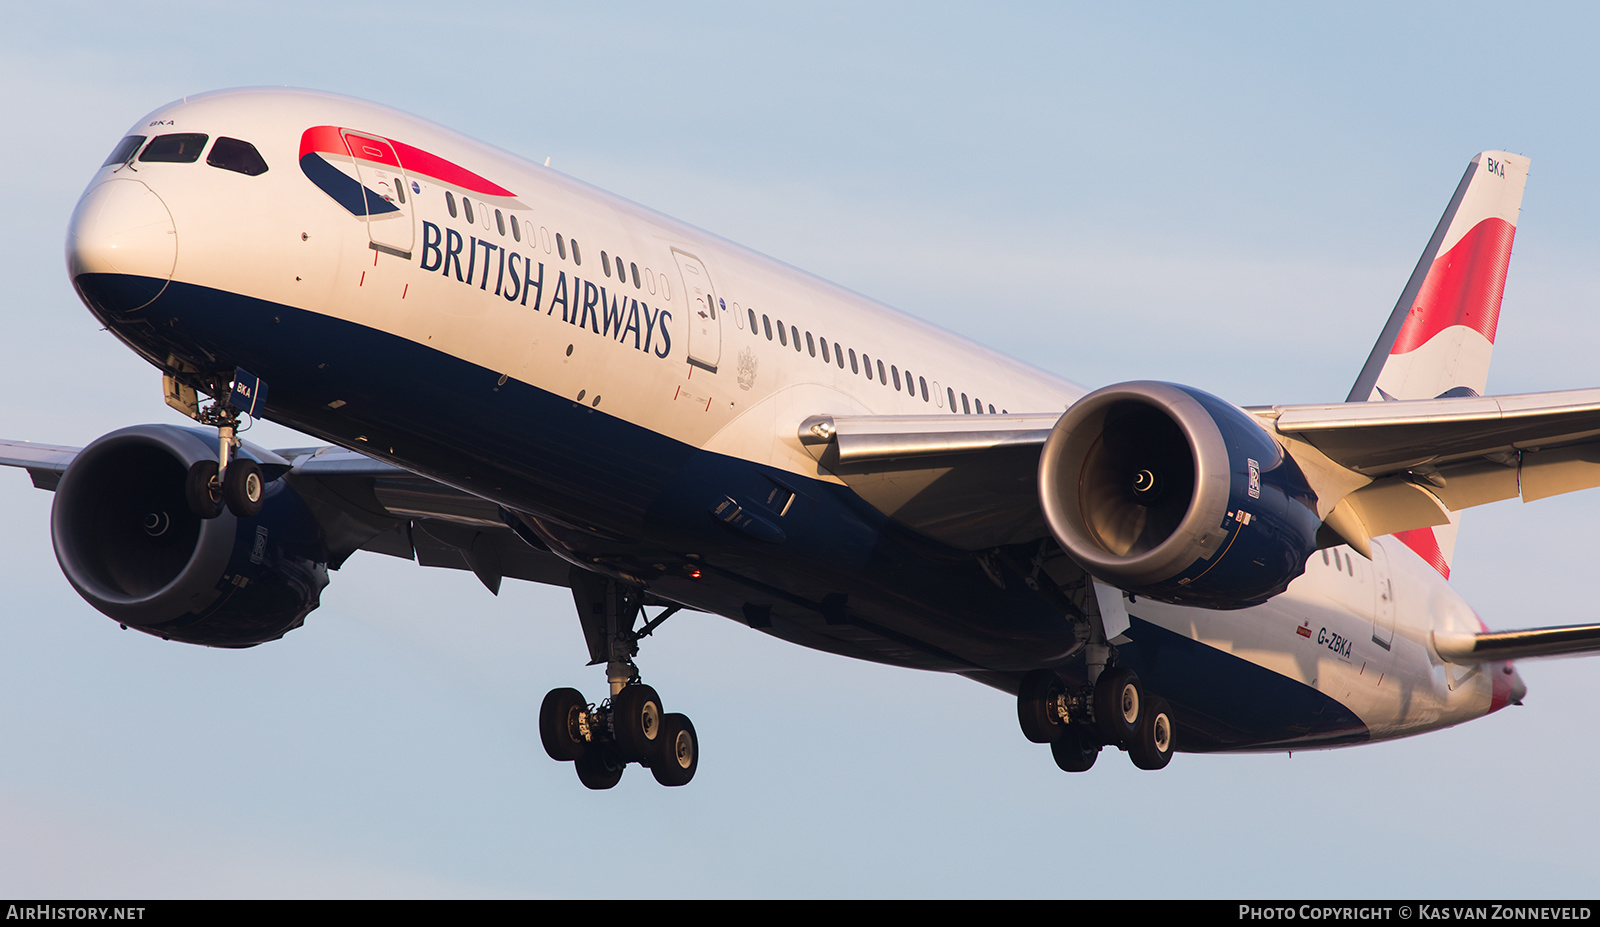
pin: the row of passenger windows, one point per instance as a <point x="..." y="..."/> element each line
<point x="624" y="272"/>
<point x="230" y="154"/>
<point x="874" y="369"/>
<point x="233" y="154"/>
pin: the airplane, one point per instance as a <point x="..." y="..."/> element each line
<point x="585" y="393"/>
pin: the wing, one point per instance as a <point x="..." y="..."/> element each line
<point x="1414" y="462"/>
<point x="1377" y="467"/>
<point x="365" y="504"/>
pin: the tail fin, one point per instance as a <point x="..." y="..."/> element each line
<point x="1440" y="336"/>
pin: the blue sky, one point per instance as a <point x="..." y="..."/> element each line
<point x="1227" y="198"/>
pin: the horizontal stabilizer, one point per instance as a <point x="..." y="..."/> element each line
<point x="1490" y="646"/>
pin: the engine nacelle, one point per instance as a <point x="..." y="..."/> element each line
<point x="1169" y="492"/>
<point x="127" y="541"/>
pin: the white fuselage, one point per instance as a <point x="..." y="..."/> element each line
<point x="670" y="350"/>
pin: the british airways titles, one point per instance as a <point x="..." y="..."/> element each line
<point x="583" y="303"/>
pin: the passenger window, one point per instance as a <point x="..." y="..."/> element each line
<point x="866" y="363"/>
<point x="751" y="311"/>
<point x="605" y="263"/>
<point x="516" y="228"/>
<point x="896" y="371"/>
<point x="853" y="367"/>
<point x="766" y="324"/>
<point x="230" y="154"/>
<point x="466" y="206"/>
<point x="881" y="377"/>
<point x="783" y="336"/>
<point x="125" y="150"/>
<point x="576" y="257"/>
<point x="795" y="334"/>
<point x="965" y="406"/>
<point x="811" y="345"/>
<point x="825" y="358"/>
<point x="399" y="183"/>
<point x="450" y="203"/>
<point x="1324" y="557"/>
<point x="622" y="272"/>
<point x="500" y="221"/>
<point x="181" y="148"/>
<point x="561" y="243"/>
<point x="635" y="268"/>
<point x="991" y="408"/>
<point x="924" y="384"/>
<point x="950" y="393"/>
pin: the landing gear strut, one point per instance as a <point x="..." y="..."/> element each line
<point x="631" y="726"/>
<point x="230" y="480"/>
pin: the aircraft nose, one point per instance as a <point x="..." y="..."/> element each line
<point x="121" y="245"/>
<point x="1518" y="687"/>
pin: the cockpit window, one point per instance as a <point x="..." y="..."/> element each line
<point x="125" y="150"/>
<point x="231" y="154"/>
<point x="181" y="148"/>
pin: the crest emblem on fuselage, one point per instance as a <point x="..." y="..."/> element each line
<point x="747" y="368"/>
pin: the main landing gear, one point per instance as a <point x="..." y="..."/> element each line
<point x="1077" y="722"/>
<point x="631" y="726"/>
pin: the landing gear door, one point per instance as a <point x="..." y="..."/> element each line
<point x="705" y="321"/>
<point x="389" y="222"/>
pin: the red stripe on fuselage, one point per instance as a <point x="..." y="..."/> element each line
<point x="323" y="140"/>
<point x="1422" y="541"/>
<point x="422" y="162"/>
<point x="329" y="140"/>
<point x="1463" y="287"/>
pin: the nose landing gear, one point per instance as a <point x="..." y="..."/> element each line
<point x="230" y="480"/>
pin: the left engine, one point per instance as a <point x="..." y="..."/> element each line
<point x="130" y="545"/>
<point x="1167" y="491"/>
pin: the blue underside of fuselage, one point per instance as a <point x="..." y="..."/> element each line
<point x="843" y="578"/>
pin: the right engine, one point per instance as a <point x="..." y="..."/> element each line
<point x="129" y="544"/>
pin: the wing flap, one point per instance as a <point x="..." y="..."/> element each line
<point x="968" y="481"/>
<point x="1379" y="438"/>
